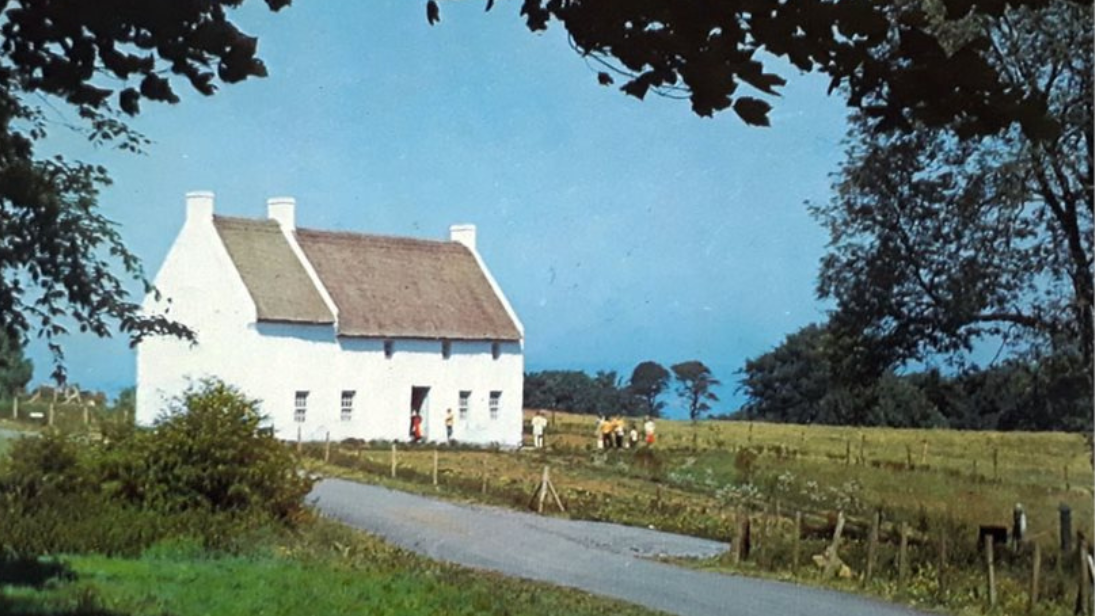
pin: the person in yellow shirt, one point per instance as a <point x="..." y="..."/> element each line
<point x="607" y="426"/>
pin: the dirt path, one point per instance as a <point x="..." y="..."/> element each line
<point x="601" y="558"/>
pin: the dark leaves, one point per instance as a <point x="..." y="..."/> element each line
<point x="154" y="87"/>
<point x="604" y="79"/>
<point x="129" y="100"/>
<point x="490" y="5"/>
<point x="637" y="87"/>
<point x="536" y="16"/>
<point x="433" y="12"/>
<point x="752" y="110"/>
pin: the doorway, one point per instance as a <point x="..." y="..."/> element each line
<point x="420" y="406"/>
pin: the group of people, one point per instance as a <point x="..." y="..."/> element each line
<point x="616" y="434"/>
<point x="416" y="426"/>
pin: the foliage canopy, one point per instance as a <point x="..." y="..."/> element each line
<point x="694" y="383"/>
<point x="937" y="242"/>
<point x="891" y="59"/>
<point x="99" y="60"/>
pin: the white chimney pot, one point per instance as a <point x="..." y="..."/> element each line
<point x="199" y="206"/>
<point x="463" y="234"/>
<point x="283" y="210"/>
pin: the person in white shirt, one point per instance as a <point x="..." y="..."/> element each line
<point x="539" y="422"/>
<point x="648" y="430"/>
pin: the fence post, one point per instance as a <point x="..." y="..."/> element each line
<point x="435" y="467"/>
<point x="908" y="457"/>
<point x="87" y="417"/>
<point x="51" y="414"/>
<point x="739" y="538"/>
<point x="872" y="545"/>
<point x="995" y="463"/>
<point x="941" y="581"/>
<point x="903" y="558"/>
<point x="1083" y="593"/>
<point x="744" y="538"/>
<point x="832" y="561"/>
<point x="542" y="492"/>
<point x="763" y="551"/>
<point x="847" y="451"/>
<point x="393" y="459"/>
<point x="862" y="449"/>
<point x="991" y="570"/>
<point x="1065" y="513"/>
<point x="795" y="545"/>
<point x="483" y="486"/>
<point x="924" y="452"/>
<point x="15" y="406"/>
<point x="1068" y="487"/>
<point x="1036" y="569"/>
<point x="327" y="447"/>
<point x="299" y="445"/>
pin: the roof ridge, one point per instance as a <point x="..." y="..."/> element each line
<point x="375" y="236"/>
<point x="242" y="219"/>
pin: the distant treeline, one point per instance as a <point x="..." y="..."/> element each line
<point x="801" y="382"/>
<point x="606" y="393"/>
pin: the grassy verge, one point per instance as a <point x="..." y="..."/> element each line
<point x="323" y="569"/>
<point x="705" y="480"/>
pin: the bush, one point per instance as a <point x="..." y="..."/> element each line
<point x="211" y="452"/>
<point x="207" y="471"/>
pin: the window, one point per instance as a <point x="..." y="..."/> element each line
<point x="347" y="405"/>
<point x="389" y="348"/>
<point x="495" y="400"/>
<point x="446" y="349"/>
<point x="465" y="402"/>
<point x="496" y="349"/>
<point x="300" y="406"/>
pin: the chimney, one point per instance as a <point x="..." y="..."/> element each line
<point x="199" y="206"/>
<point x="463" y="234"/>
<point x="283" y="210"/>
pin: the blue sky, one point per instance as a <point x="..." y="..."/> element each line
<point x="620" y="230"/>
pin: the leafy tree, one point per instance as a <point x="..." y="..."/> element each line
<point x="211" y="452"/>
<point x="798" y="382"/>
<point x="899" y="403"/>
<point x="789" y="383"/>
<point x="99" y="60"/>
<point x="892" y="59"/>
<point x="15" y="370"/>
<point x="648" y="381"/>
<point x="937" y="242"/>
<point x="694" y="383"/>
<point x="577" y="392"/>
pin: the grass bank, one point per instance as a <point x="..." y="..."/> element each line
<point x="324" y="568"/>
<point x="706" y="480"/>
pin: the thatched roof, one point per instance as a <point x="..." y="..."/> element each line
<point x="406" y="288"/>
<point x="272" y="273"/>
<point x="384" y="287"/>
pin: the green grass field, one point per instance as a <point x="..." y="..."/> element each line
<point x="703" y="480"/>
<point x="327" y="569"/>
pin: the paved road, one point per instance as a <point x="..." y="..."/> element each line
<point x="605" y="559"/>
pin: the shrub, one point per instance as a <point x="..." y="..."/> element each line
<point x="208" y="471"/>
<point x="211" y="452"/>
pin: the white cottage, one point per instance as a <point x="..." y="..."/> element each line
<point x="340" y="333"/>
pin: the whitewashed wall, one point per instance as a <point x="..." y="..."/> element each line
<point x="271" y="361"/>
